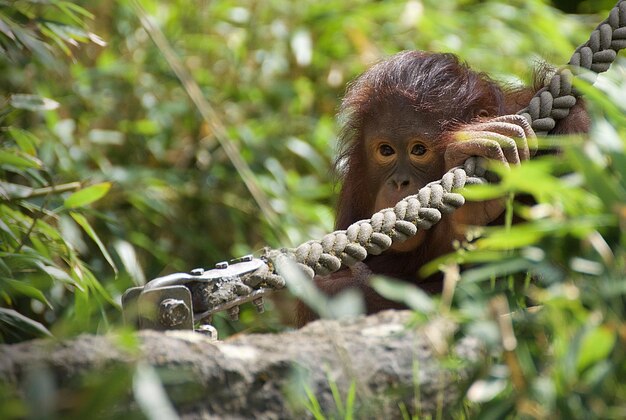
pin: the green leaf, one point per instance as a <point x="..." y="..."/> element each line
<point x="24" y="289"/>
<point x="400" y="291"/>
<point x="59" y="275"/>
<point x="128" y="256"/>
<point x="18" y="159"/>
<point x="57" y="40"/>
<point x="598" y="178"/>
<point x="67" y="5"/>
<point x="476" y="256"/>
<point x="68" y="34"/>
<point x="26" y="141"/>
<point x="4" y="268"/>
<point x="86" y="276"/>
<point x="83" y="309"/>
<point x="336" y="395"/>
<point x="517" y="237"/>
<point x="13" y="191"/>
<point x="17" y="326"/>
<point x="32" y="102"/>
<point x="347" y="303"/>
<point x="4" y="28"/>
<point x="149" y="393"/>
<point x="87" y="196"/>
<point x="313" y="404"/>
<point x="595" y="346"/>
<point x="82" y="221"/>
<point x="484" y="390"/>
<point x="350" y="400"/>
<point x="6" y="229"/>
<point x="619" y="164"/>
<point x="596" y="96"/>
<point x="28" y="39"/>
<point x="41" y="247"/>
<point x="498" y="269"/>
<point x="481" y="192"/>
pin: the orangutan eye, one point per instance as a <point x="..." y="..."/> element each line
<point x="418" y="150"/>
<point x="386" y="150"/>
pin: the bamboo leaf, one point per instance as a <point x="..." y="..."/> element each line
<point x="18" y="159"/>
<point x="4" y="28"/>
<point x="32" y="102"/>
<point x="597" y="178"/>
<point x="57" y="40"/>
<point x="498" y="269"/>
<point x="76" y="8"/>
<point x="82" y="221"/>
<point x="87" y="196"/>
<point x="600" y="98"/>
<point x="406" y="293"/>
<point x="595" y="346"/>
<point x="59" y="275"/>
<point x="26" y="141"/>
<point x="23" y="289"/>
<point x="17" y="325"/>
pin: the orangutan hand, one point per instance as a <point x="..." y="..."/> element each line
<point x="508" y="139"/>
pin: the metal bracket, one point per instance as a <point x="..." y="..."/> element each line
<point x="180" y="300"/>
<point x="162" y="308"/>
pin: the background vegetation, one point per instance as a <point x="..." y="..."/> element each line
<point x="116" y="166"/>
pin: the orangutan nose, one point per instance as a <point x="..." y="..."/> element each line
<point x="400" y="182"/>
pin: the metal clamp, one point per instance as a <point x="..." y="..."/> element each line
<point x="181" y="300"/>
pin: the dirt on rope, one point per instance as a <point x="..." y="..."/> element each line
<point x="390" y="367"/>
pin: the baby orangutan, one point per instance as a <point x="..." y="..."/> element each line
<point x="406" y="121"/>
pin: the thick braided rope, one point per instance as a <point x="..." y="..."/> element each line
<point x="554" y="101"/>
<point x="375" y="235"/>
<point x="424" y="209"/>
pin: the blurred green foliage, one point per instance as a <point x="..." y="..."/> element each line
<point x="110" y="175"/>
<point x="273" y="72"/>
<point x="565" y="356"/>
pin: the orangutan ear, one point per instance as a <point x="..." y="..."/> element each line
<point x="482" y="113"/>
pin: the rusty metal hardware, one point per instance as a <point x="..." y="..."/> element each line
<point x="181" y="300"/>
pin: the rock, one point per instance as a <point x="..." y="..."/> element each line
<point x="392" y="366"/>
